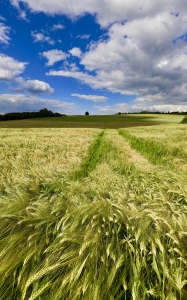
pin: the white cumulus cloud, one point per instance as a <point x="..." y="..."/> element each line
<point x="36" y="86"/>
<point x="76" y="52"/>
<point x="54" y="56"/>
<point x="10" y="68"/>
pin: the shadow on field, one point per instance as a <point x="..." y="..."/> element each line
<point x="104" y="122"/>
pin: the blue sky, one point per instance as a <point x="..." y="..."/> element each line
<point x="101" y="56"/>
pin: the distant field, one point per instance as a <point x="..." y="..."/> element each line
<point x="93" y="214"/>
<point x="100" y="121"/>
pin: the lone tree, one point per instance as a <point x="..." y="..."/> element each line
<point x="86" y="113"/>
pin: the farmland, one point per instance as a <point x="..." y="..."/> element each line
<point x="95" y="121"/>
<point x="93" y="214"/>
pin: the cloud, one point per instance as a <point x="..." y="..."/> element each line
<point x="83" y="36"/>
<point x="145" y="51"/>
<point x="107" y="12"/>
<point x="20" y="102"/>
<point x="73" y="67"/>
<point x="22" y="13"/>
<point x="74" y="73"/>
<point x="10" y="68"/>
<point x="76" y="52"/>
<point x="139" y="58"/>
<point x="15" y="3"/>
<point x="57" y="27"/>
<point x="126" y="107"/>
<point x="148" y="103"/>
<point x="34" y="87"/>
<point x="40" y="37"/>
<point x="4" y="33"/>
<point x="118" y="107"/>
<point x="54" y="56"/>
<point x="2" y="18"/>
<point x="93" y="98"/>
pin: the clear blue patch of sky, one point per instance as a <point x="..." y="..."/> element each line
<point x="182" y="37"/>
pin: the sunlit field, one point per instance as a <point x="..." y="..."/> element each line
<point x="93" y="214"/>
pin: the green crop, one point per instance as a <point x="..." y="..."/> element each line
<point x="90" y="214"/>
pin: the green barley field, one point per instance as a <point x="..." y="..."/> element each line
<point x="93" y="214"/>
<point x="95" y="121"/>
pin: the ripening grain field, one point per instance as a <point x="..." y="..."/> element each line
<point x="92" y="214"/>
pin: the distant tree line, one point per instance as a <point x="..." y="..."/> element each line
<point x="169" y="112"/>
<point x="153" y="112"/>
<point x="42" y="113"/>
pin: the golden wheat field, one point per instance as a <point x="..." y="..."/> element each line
<point x="93" y="214"/>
